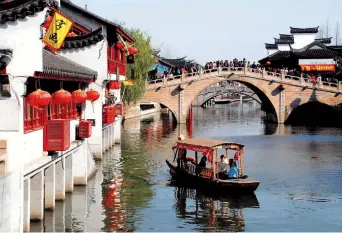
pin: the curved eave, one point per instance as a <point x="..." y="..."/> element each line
<point x="284" y="41"/>
<point x="304" y="30"/>
<point x="83" y="40"/>
<point x="20" y="9"/>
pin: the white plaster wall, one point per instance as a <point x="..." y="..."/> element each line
<point x="23" y="37"/>
<point x="302" y="39"/>
<point x="283" y="47"/>
<point x="271" y="51"/>
<point x="94" y="57"/>
<point x="32" y="146"/>
<point x="11" y="197"/>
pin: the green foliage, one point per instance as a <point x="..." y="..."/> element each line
<point x="138" y="72"/>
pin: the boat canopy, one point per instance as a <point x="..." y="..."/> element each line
<point x="205" y="145"/>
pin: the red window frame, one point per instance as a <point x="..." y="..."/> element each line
<point x="33" y="117"/>
<point x="64" y="111"/>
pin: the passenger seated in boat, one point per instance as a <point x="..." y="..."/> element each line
<point x="233" y="173"/>
<point x="223" y="167"/>
<point x="202" y="163"/>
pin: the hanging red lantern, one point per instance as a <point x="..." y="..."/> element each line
<point x="39" y="98"/>
<point x="92" y="95"/>
<point x="79" y="96"/>
<point x="114" y="85"/>
<point x="119" y="45"/>
<point x="61" y="97"/>
<point x="268" y="63"/>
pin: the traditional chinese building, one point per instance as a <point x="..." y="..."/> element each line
<point x="55" y="75"/>
<point x="101" y="45"/>
<point x="301" y="50"/>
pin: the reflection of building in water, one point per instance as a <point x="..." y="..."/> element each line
<point x="211" y="213"/>
<point x="114" y="211"/>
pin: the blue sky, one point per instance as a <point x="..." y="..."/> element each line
<point x="217" y="29"/>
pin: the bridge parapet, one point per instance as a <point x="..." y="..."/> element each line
<point x="281" y="78"/>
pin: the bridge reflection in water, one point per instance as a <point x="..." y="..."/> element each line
<point x="212" y="213"/>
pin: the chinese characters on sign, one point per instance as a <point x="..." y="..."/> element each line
<point x="57" y="31"/>
<point x="318" y="68"/>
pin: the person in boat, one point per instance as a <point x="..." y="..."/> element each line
<point x="223" y="167"/>
<point x="233" y="173"/>
<point x="202" y="163"/>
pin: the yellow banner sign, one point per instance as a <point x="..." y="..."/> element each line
<point x="57" y="31"/>
<point x="128" y="83"/>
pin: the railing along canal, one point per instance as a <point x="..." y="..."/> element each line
<point x="254" y="73"/>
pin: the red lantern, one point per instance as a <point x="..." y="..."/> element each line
<point x="61" y="97"/>
<point x="114" y="85"/>
<point x="92" y="95"/>
<point x="79" y="96"/>
<point x="119" y="45"/>
<point x="39" y="99"/>
<point x="134" y="51"/>
<point x="268" y="63"/>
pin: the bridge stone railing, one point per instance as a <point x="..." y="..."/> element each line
<point x="245" y="71"/>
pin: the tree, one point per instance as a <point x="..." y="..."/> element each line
<point x="138" y="72"/>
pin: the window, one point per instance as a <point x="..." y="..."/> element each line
<point x="65" y="111"/>
<point x="33" y="117"/>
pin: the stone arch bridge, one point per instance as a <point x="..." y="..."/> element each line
<point x="279" y="94"/>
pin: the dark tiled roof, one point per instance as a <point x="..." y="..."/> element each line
<point x="316" y="53"/>
<point x="324" y="40"/>
<point x="284" y="41"/>
<point x="335" y="47"/>
<point x="304" y="30"/>
<point x="315" y="43"/>
<point x="284" y="36"/>
<point x="271" y="46"/>
<point x="5" y="57"/>
<point x="279" y="55"/>
<point x="19" y="9"/>
<point x="54" y="64"/>
<point x="83" y="40"/>
<point x="75" y="7"/>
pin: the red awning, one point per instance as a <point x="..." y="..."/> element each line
<point x="42" y="75"/>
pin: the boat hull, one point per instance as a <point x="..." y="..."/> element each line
<point x="226" y="187"/>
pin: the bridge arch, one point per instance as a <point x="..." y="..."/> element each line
<point x="277" y="93"/>
<point x="192" y="90"/>
<point x="315" y="113"/>
<point x="214" y="95"/>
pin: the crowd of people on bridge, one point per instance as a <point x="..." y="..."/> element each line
<point x="195" y="69"/>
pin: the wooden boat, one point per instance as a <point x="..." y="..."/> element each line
<point x="189" y="174"/>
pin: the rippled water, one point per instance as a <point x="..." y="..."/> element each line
<point x="299" y="169"/>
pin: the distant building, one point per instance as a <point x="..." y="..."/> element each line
<point x="301" y="50"/>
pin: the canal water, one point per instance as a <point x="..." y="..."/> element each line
<point x="299" y="169"/>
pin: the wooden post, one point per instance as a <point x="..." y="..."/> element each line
<point x="196" y="164"/>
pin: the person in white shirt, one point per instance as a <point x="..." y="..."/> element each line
<point x="223" y="167"/>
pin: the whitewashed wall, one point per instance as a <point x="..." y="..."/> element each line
<point x="271" y="51"/>
<point x="302" y="39"/>
<point x="23" y="37"/>
<point x="11" y="197"/>
<point x="283" y="47"/>
<point x="94" y="57"/>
